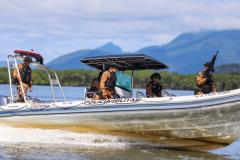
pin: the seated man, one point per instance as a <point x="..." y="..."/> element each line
<point x="154" y="88"/>
<point x="24" y="78"/>
<point x="95" y="87"/>
<point x="108" y="82"/>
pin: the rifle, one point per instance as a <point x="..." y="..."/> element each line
<point x="210" y="68"/>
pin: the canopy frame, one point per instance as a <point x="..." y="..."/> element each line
<point x="124" y="62"/>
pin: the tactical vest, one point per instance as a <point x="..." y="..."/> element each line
<point x="156" y="89"/>
<point x="111" y="81"/>
<point x="25" y="73"/>
<point x="207" y="86"/>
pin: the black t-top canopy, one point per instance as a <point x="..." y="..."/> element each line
<point x="124" y="62"/>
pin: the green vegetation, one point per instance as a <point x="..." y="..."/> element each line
<point x="228" y="68"/>
<point x="169" y="80"/>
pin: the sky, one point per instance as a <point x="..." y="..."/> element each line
<point x="56" y="27"/>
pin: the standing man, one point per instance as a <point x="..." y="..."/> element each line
<point x="205" y="81"/>
<point x="153" y="87"/>
<point x="25" y="78"/>
<point x="108" y="82"/>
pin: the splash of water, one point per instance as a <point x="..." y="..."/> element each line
<point x="55" y="136"/>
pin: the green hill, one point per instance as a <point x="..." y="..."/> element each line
<point x="228" y="68"/>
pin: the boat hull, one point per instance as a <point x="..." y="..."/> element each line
<point x="204" y="122"/>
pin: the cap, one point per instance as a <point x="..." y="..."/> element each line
<point x="155" y="75"/>
<point x="28" y="58"/>
<point x="114" y="65"/>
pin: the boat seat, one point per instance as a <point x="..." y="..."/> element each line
<point x="88" y="93"/>
<point x="123" y="93"/>
<point x="3" y="100"/>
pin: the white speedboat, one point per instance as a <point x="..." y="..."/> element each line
<point x="196" y="122"/>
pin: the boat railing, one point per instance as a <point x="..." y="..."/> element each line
<point x="53" y="80"/>
<point x="167" y="94"/>
<point x="10" y="66"/>
<point x="52" y="76"/>
<point x="140" y="94"/>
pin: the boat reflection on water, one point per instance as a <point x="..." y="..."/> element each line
<point x="32" y="151"/>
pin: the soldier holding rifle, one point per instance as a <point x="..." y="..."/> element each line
<point x="205" y="79"/>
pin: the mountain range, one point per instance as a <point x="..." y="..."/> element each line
<point x="188" y="52"/>
<point x="185" y="54"/>
<point x="72" y="60"/>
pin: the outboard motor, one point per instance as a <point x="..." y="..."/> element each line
<point x="3" y="100"/>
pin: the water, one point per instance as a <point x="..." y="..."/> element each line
<point x="34" y="143"/>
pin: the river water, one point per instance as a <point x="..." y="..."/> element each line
<point x="35" y="143"/>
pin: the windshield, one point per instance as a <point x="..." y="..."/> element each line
<point x="124" y="81"/>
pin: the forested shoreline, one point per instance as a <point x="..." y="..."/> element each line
<point x="169" y="80"/>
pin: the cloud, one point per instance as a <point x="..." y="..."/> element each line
<point x="56" y="27"/>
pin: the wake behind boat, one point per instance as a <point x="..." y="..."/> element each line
<point x="208" y="121"/>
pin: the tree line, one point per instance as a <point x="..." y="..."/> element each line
<point x="170" y="80"/>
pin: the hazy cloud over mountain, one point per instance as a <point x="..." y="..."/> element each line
<point x="60" y="26"/>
